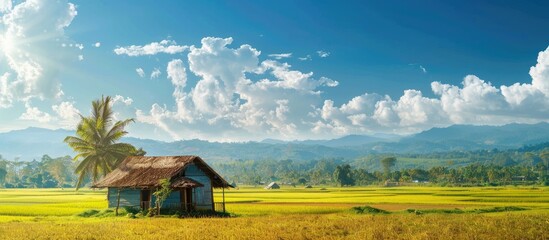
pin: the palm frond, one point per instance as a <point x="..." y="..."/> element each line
<point x="95" y="141"/>
<point x="79" y="182"/>
<point x="117" y="131"/>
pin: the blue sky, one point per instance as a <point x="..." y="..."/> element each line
<point x="248" y="70"/>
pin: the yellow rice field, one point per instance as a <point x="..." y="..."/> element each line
<point x="291" y="213"/>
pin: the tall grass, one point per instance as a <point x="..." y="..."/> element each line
<point x="329" y="226"/>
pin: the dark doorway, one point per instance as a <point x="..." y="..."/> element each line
<point x="186" y="198"/>
<point x="145" y="198"/>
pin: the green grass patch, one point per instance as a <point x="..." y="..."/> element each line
<point x="461" y="211"/>
<point x="101" y="213"/>
<point x="369" y="210"/>
<point x="499" y="209"/>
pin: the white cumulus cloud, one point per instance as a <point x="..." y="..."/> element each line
<point x="225" y="100"/>
<point x="120" y="99"/>
<point x="67" y="114"/>
<point x="279" y="56"/>
<point x="306" y="58"/>
<point x="423" y="69"/>
<point x="323" y="54"/>
<point x="155" y="73"/>
<point x="29" y="42"/>
<point x="34" y="114"/>
<point x="476" y="102"/>
<point x="238" y="96"/>
<point x="164" y="46"/>
<point x="140" y="72"/>
<point x="176" y="72"/>
<point x="5" y="5"/>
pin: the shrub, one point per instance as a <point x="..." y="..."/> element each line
<point x="411" y="210"/>
<point x="130" y="209"/>
<point x="445" y="211"/>
<point x="151" y="212"/>
<point x="499" y="209"/>
<point x="369" y="210"/>
<point x="106" y="213"/>
<point x="88" y="213"/>
<point x="459" y="211"/>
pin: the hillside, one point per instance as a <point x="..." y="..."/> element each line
<point x="32" y="143"/>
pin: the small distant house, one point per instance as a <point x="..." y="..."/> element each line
<point x="192" y="181"/>
<point x="391" y="184"/>
<point x="272" y="185"/>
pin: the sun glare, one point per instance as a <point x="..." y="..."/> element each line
<point x="6" y="44"/>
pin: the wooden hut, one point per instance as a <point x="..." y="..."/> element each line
<point x="272" y="185"/>
<point x="137" y="177"/>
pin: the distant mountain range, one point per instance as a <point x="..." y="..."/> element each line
<point x="346" y="141"/>
<point x="32" y="143"/>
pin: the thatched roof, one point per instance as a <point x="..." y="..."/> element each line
<point x="145" y="172"/>
<point x="183" y="182"/>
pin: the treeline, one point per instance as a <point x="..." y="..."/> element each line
<point x="471" y="175"/>
<point x="527" y="165"/>
<point x="491" y="167"/>
<point x="46" y="173"/>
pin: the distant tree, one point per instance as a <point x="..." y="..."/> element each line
<point x="3" y="174"/>
<point x="36" y="180"/>
<point x="437" y="174"/>
<point x="503" y="159"/>
<point x="363" y="177"/>
<point x="387" y="164"/>
<point x="544" y="156"/>
<point x="323" y="170"/>
<point x="96" y="142"/>
<point x="492" y="174"/>
<point x="343" y="175"/>
<point x="532" y="159"/>
<point x="57" y="168"/>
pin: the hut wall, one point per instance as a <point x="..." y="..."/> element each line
<point x="174" y="198"/>
<point x="128" y="197"/>
<point x="173" y="201"/>
<point x="202" y="195"/>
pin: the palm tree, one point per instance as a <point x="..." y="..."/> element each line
<point x="96" y="142"/>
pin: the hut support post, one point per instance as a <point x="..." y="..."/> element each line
<point x="117" y="201"/>
<point x="223" y="199"/>
<point x="157" y="204"/>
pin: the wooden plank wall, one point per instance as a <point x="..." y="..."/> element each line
<point x="128" y="197"/>
<point x="203" y="195"/>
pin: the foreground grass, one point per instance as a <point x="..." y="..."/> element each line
<point x="294" y="213"/>
<point x="304" y="226"/>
